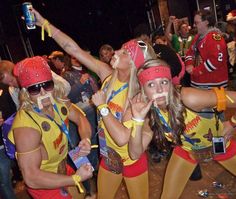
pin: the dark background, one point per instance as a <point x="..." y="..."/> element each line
<point x="90" y="23"/>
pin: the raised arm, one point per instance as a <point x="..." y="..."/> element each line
<point x="168" y="27"/>
<point x="71" y="47"/>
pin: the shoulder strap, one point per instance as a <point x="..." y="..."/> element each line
<point x="33" y="119"/>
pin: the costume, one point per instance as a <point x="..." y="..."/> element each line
<point x="134" y="172"/>
<point x="208" y="55"/>
<point x="181" y="44"/>
<point x="198" y="135"/>
<point x="54" y="141"/>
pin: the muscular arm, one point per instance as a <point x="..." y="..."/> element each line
<point x="30" y="162"/>
<point x="198" y="99"/>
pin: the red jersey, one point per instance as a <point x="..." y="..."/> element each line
<point x="209" y="58"/>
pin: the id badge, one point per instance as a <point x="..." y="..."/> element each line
<point x="102" y="142"/>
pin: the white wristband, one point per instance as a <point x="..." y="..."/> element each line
<point x="137" y="119"/>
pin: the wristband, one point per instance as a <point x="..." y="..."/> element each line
<point x="77" y="180"/>
<point x="221" y="98"/>
<point x="88" y="140"/>
<point x="46" y="25"/>
<point x="102" y="106"/>
<point x="137" y="120"/>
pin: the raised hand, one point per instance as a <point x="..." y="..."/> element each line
<point x="99" y="98"/>
<point x="85" y="147"/>
<point x="39" y="19"/>
<point x="139" y="108"/>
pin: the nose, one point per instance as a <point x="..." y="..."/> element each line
<point x="159" y="88"/>
<point x="42" y="91"/>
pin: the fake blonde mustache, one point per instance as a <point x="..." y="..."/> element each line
<point x="41" y="98"/>
<point x="158" y="95"/>
<point x="114" y="66"/>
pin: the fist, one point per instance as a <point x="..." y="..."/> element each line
<point x="99" y="98"/>
<point x="85" y="171"/>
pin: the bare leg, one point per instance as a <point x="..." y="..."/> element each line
<point x="138" y="186"/>
<point x="176" y="177"/>
<point x="108" y="183"/>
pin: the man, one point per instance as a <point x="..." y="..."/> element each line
<point x="105" y="53"/>
<point x="7" y="77"/>
<point x="181" y="41"/>
<point x="206" y="59"/>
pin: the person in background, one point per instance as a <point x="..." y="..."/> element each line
<point x="173" y="117"/>
<point x="7" y="77"/>
<point x="105" y="53"/>
<point x="83" y="86"/>
<point x="59" y="61"/>
<point x="43" y="118"/>
<point x="206" y="59"/>
<point x="181" y="41"/>
<point x="7" y="108"/>
<point x="119" y="85"/>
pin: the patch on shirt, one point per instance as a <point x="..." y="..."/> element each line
<point x="216" y="37"/>
<point x="64" y="110"/>
<point x="45" y="126"/>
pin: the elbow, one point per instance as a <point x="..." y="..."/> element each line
<point x="121" y="143"/>
<point x="30" y="180"/>
<point x="135" y="156"/>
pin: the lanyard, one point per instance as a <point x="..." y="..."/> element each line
<point x="114" y="93"/>
<point x="169" y="128"/>
<point x="62" y="127"/>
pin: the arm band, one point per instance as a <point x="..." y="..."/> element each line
<point x="77" y="180"/>
<point x="221" y="98"/>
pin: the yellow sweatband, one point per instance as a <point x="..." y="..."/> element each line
<point x="102" y="106"/>
<point x="46" y="25"/>
<point x="132" y="124"/>
<point x="88" y="140"/>
<point x="77" y="180"/>
<point x="221" y="98"/>
<point x="27" y="152"/>
<point x="78" y="108"/>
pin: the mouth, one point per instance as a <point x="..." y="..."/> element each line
<point x="45" y="100"/>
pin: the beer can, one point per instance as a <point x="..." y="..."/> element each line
<point x="28" y="15"/>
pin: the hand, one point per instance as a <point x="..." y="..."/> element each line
<point x="39" y="19"/>
<point x="172" y="19"/>
<point x="85" y="171"/>
<point x="189" y="69"/>
<point x="139" y="108"/>
<point x="85" y="147"/>
<point x="84" y="78"/>
<point x="99" y="98"/>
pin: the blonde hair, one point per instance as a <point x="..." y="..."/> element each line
<point x="134" y="87"/>
<point x="58" y="94"/>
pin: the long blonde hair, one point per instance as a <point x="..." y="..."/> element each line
<point x="58" y="94"/>
<point x="134" y="87"/>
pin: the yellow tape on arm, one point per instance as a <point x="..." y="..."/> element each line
<point x="132" y="124"/>
<point x="221" y="98"/>
<point x="45" y="25"/>
<point x="77" y="179"/>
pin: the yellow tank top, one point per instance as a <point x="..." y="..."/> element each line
<point x="116" y="106"/>
<point x="198" y="129"/>
<point x="54" y="141"/>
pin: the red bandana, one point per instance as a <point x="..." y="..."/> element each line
<point x="31" y="71"/>
<point x="153" y="73"/>
<point x="135" y="52"/>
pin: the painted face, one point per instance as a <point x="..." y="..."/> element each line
<point x="120" y="59"/>
<point x="201" y="26"/>
<point x="157" y="89"/>
<point x="9" y="80"/>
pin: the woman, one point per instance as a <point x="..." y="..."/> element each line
<point x="119" y="84"/>
<point x="40" y="133"/>
<point x="173" y="117"/>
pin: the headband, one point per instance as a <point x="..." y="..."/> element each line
<point x="31" y="71"/>
<point x="153" y="73"/>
